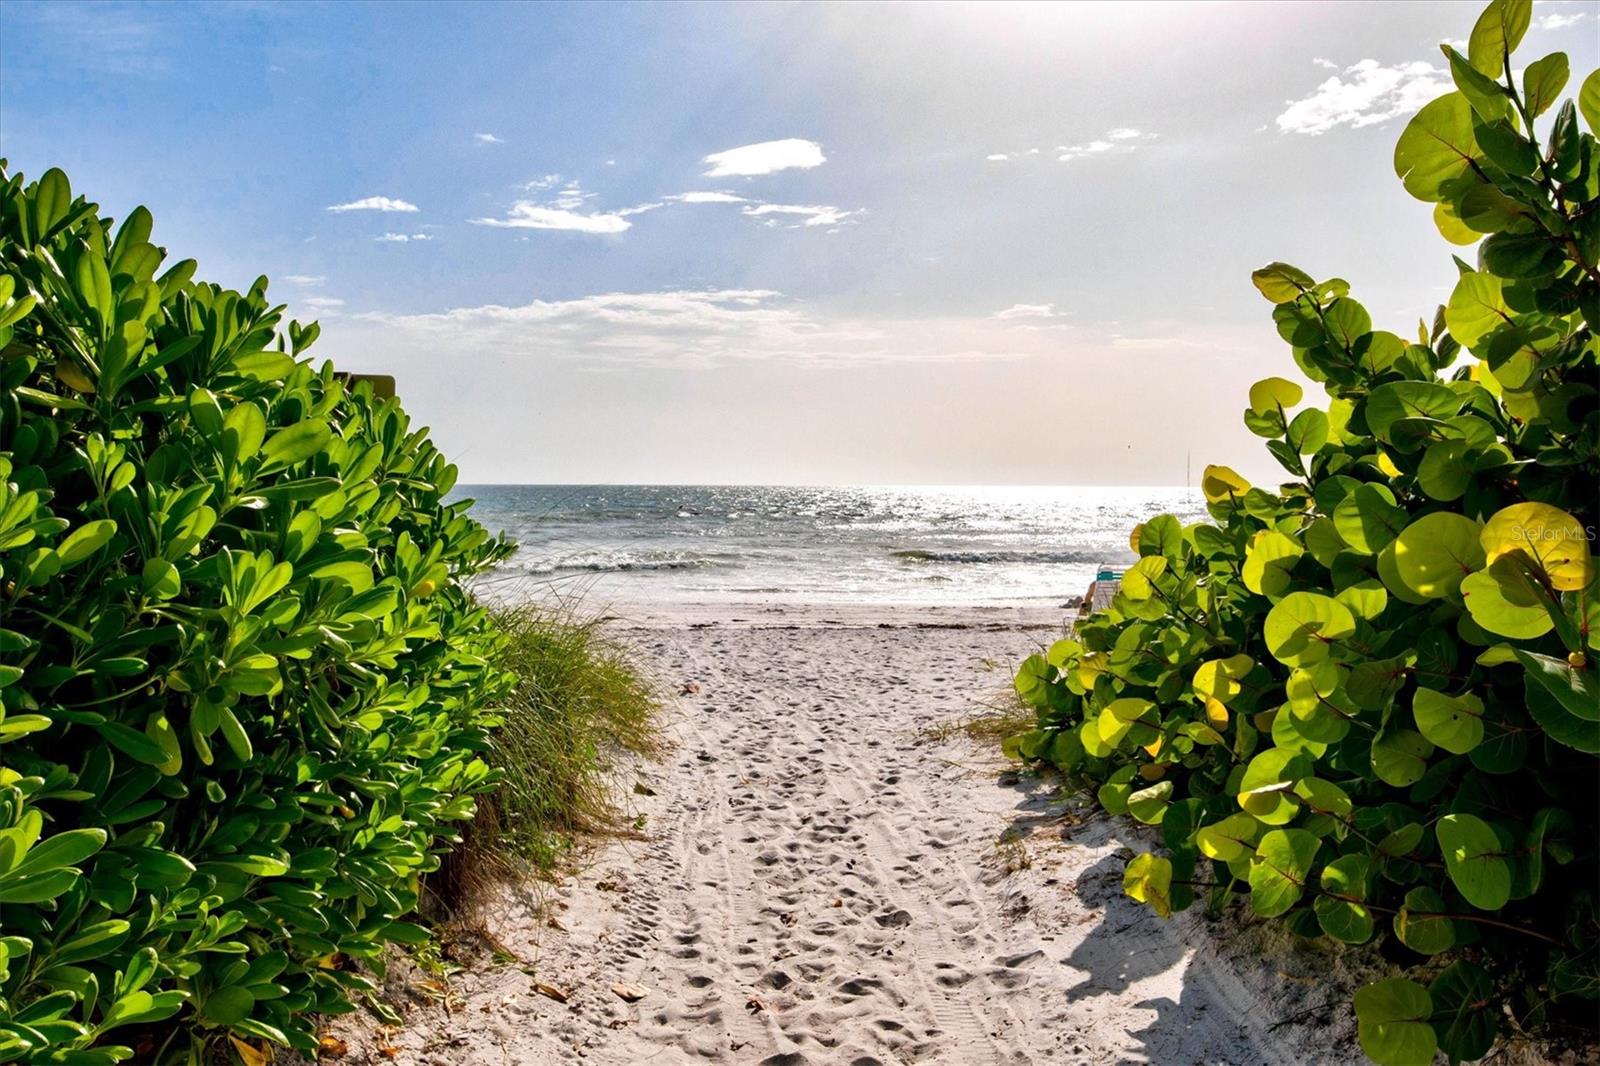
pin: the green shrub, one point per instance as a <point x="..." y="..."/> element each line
<point x="1366" y="700"/>
<point x="245" y="694"/>
<point x="580" y="701"/>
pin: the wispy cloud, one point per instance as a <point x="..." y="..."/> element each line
<point x="767" y="157"/>
<point x="376" y="203"/>
<point x="1364" y="94"/>
<point x="123" y="40"/>
<point x="700" y="329"/>
<point x="565" y="206"/>
<point x="1027" y="312"/>
<point x="810" y="214"/>
<point x="707" y="328"/>
<point x="528" y="215"/>
<point x="997" y="157"/>
<point x="1119" y="141"/>
<point x="707" y="198"/>
<point x="1559" y="21"/>
<point x="322" y="303"/>
<point x="487" y="138"/>
<point x="402" y="238"/>
<point x="307" y="280"/>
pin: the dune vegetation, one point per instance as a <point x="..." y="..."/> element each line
<point x="1365" y="700"/>
<point x="247" y="701"/>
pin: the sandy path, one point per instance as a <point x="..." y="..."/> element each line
<point x="822" y="882"/>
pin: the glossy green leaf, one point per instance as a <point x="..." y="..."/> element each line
<point x="1392" y="1023"/>
<point x="1475" y="860"/>
<point x="1281" y="869"/>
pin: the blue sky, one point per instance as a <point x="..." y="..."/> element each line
<point x="992" y="243"/>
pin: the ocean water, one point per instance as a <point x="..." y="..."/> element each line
<point x="877" y="545"/>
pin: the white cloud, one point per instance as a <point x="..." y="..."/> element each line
<point x="1119" y="141"/>
<point x="1364" y="94"/>
<point x="707" y="198"/>
<point x="767" y="157"/>
<point x="813" y="214"/>
<point x="1325" y="64"/>
<point x="1557" y="21"/>
<point x="1026" y="311"/>
<point x="305" y="279"/>
<point x="402" y="238"/>
<point x="322" y="303"/>
<point x="528" y="215"/>
<point x="375" y="203"/>
<point x="487" y="138"/>
<point x="997" y="157"/>
<point x="564" y="208"/>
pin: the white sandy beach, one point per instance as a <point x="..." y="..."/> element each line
<point x="820" y="880"/>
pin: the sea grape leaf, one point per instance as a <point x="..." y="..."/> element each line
<point x="1543" y="81"/>
<point x="1554" y="541"/>
<point x="1219" y="679"/>
<point x="1400" y="757"/>
<point x="1473" y="858"/>
<point x="1148" y="879"/>
<point x="1129" y="717"/>
<point x="1230" y="839"/>
<point x="1032" y="680"/>
<point x="1557" y="722"/>
<point x="1366" y="599"/>
<point x="1266" y="788"/>
<point x="1487" y="97"/>
<point x="1267" y="564"/>
<point x="1220" y="483"/>
<point x="1341" y="909"/>
<point x="1271" y="394"/>
<point x="1396" y="400"/>
<point x="1282" y="283"/>
<point x="1138" y="581"/>
<point x="1420" y="923"/>
<point x="1280" y="870"/>
<point x="1573" y="687"/>
<point x="1433" y="554"/>
<point x="1369" y="519"/>
<point x="1454" y="723"/>
<point x="1392" y="1023"/>
<point x="1149" y="805"/>
<point x="1497" y="33"/>
<point x="1477" y="307"/>
<point x="1303" y="628"/>
<point x="1465" y="1014"/>
<point x="1436" y="147"/>
<point x="1589" y="101"/>
<point x="1505" y="602"/>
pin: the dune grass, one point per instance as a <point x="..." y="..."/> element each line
<point x="581" y="708"/>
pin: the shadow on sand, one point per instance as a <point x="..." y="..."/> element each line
<point x="1224" y="1012"/>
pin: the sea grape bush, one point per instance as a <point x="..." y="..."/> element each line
<point x="1367" y="700"/>
<point x="242" y="691"/>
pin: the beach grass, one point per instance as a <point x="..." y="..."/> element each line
<point x="582" y="707"/>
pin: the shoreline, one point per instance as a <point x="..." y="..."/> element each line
<point x="768" y="614"/>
